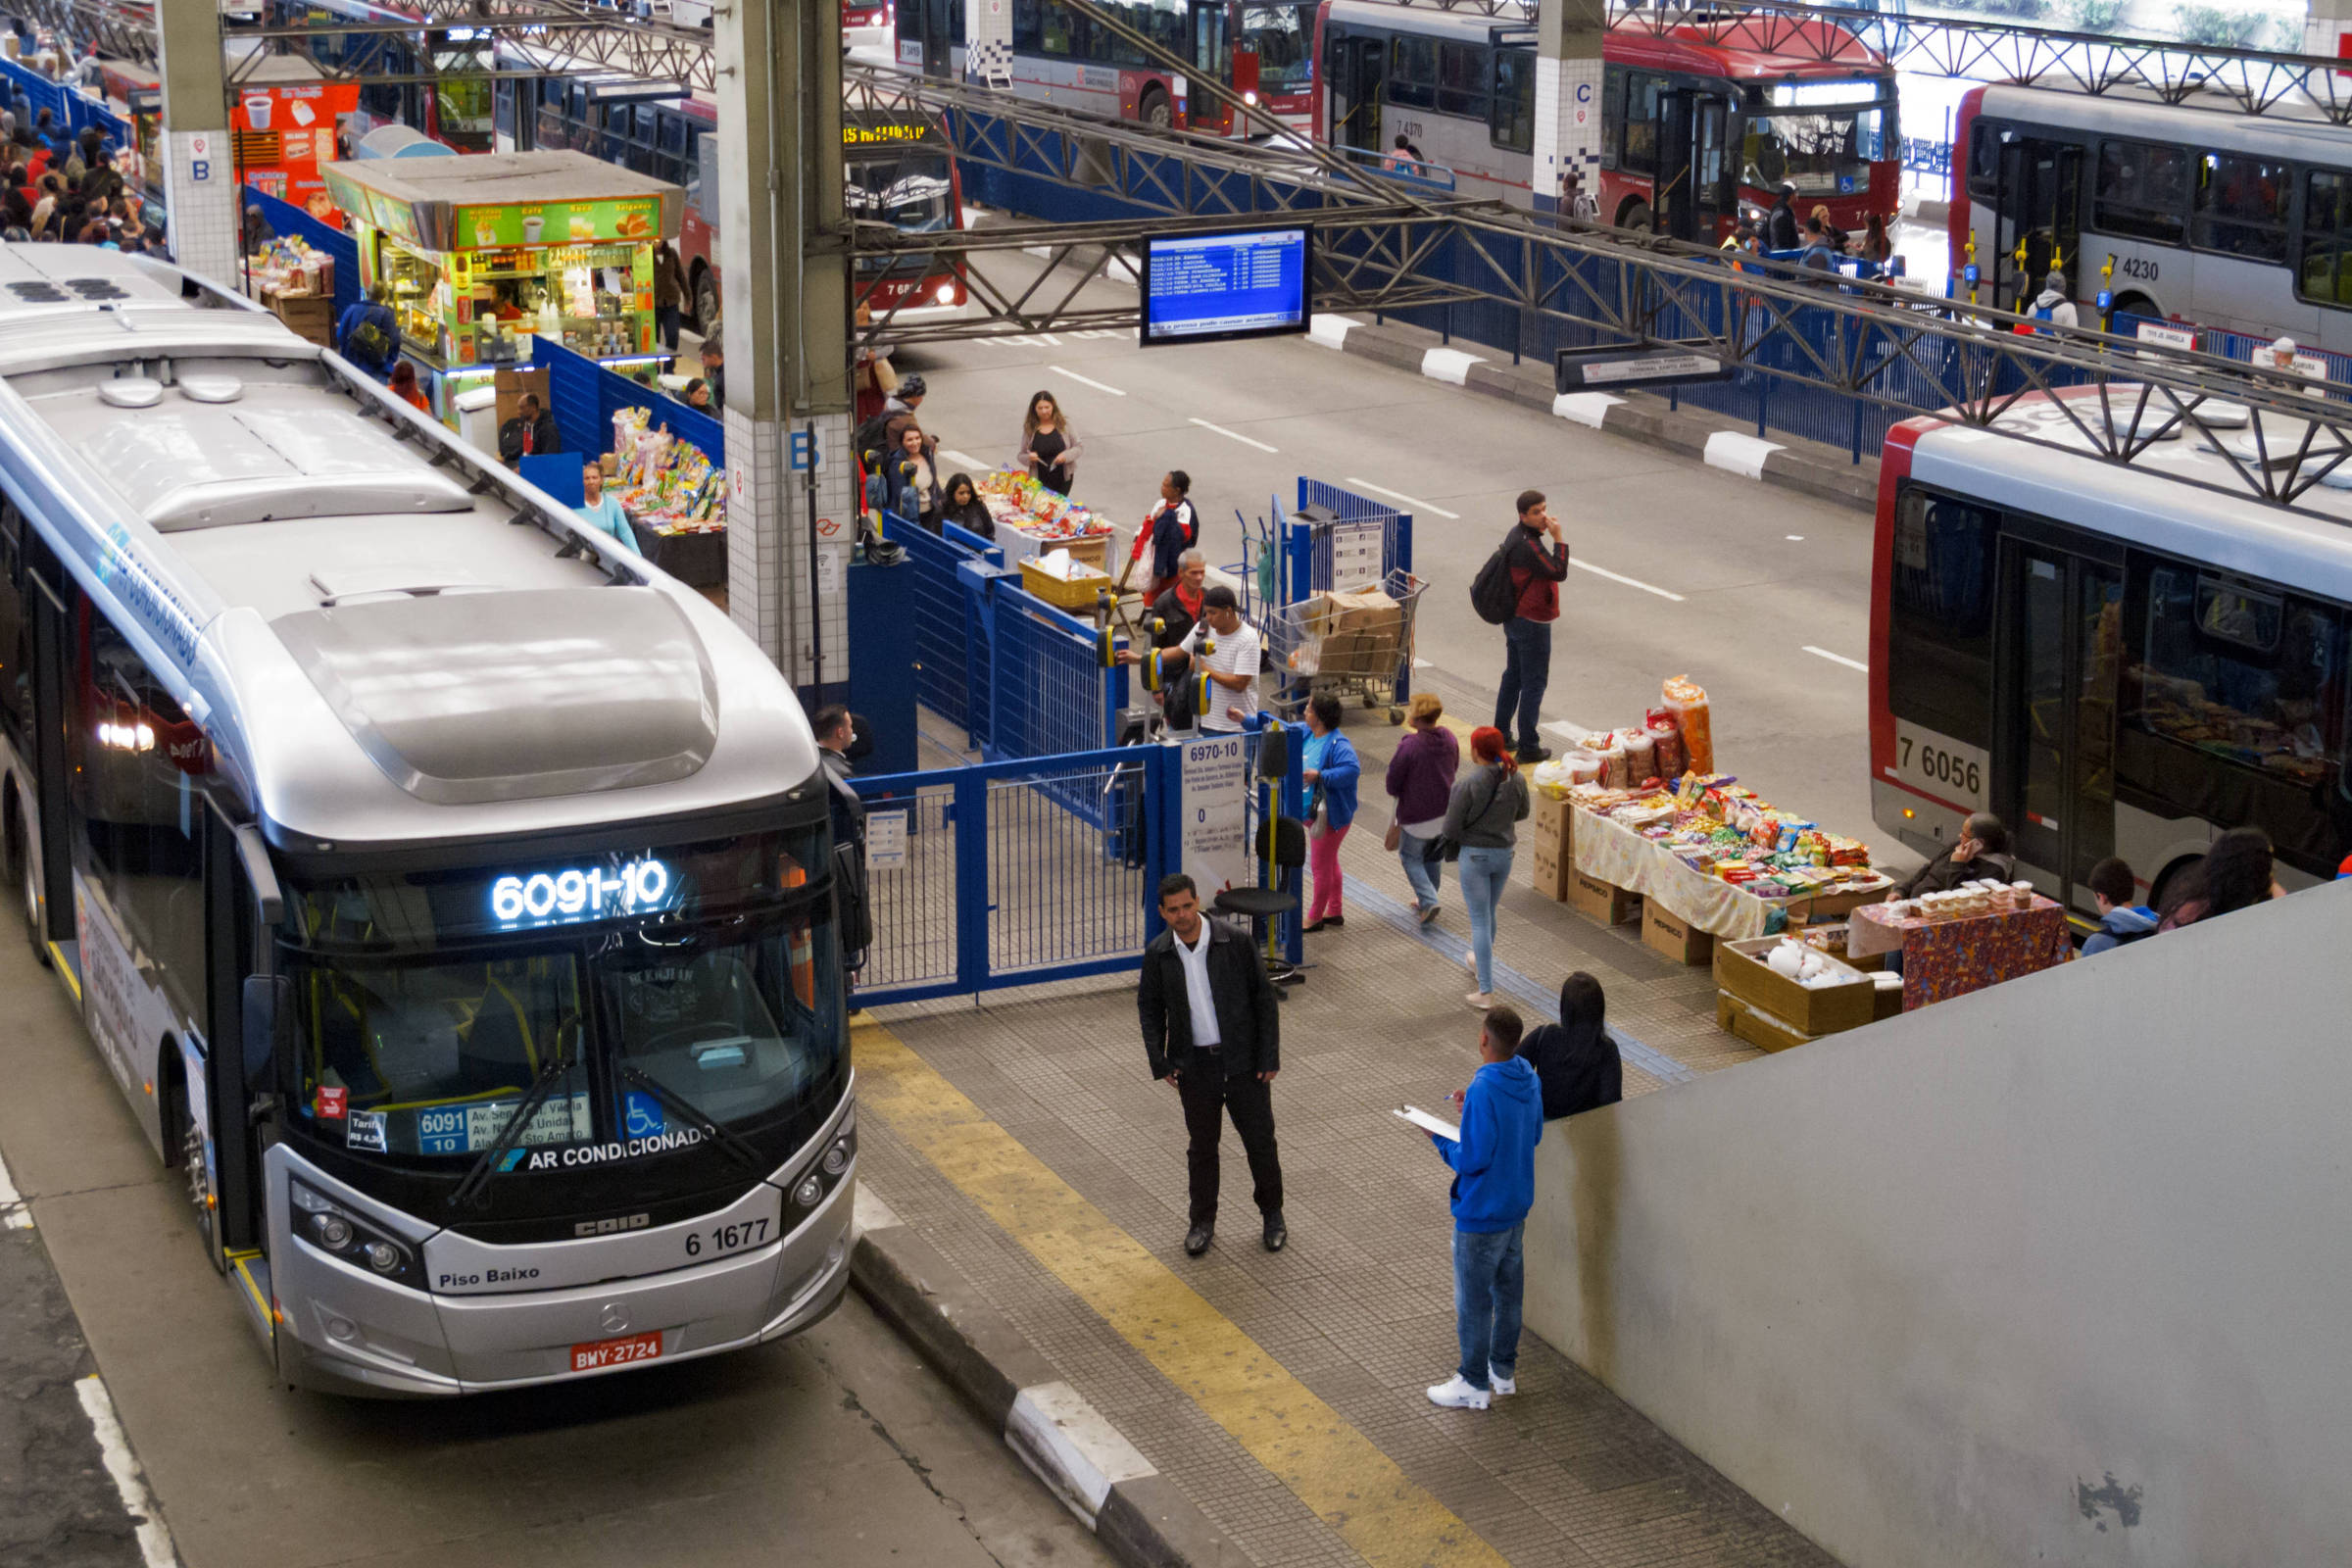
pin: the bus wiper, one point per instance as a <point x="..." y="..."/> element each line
<point x="744" y="1152"/>
<point x="511" y="1134"/>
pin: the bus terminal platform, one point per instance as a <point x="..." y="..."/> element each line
<point x="1283" y="1395"/>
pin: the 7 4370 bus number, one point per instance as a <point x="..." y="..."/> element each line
<point x="720" y="1240"/>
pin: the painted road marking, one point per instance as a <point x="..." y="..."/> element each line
<point x="963" y="460"/>
<point x="16" y="1214"/>
<point x="1358" y="1491"/>
<point x="1233" y="435"/>
<point x="1399" y="495"/>
<point x="1630" y="582"/>
<point x="1837" y="658"/>
<point x="155" y="1541"/>
<point x="1085" y="380"/>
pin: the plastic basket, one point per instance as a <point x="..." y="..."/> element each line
<point x="1078" y="593"/>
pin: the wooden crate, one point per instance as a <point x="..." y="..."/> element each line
<point x="1758" y="1028"/>
<point x="1742" y="973"/>
<point x="1670" y="935"/>
<point x="1595" y="899"/>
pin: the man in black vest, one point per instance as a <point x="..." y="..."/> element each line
<point x="1211" y="1028"/>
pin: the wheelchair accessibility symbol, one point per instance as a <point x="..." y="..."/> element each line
<point x="641" y="1115"/>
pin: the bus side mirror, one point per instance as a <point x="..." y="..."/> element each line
<point x="264" y="998"/>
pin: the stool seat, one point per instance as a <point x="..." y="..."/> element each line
<point x="1255" y="904"/>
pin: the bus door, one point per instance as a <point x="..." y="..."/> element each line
<point x="2060" y="643"/>
<point x="2038" y="202"/>
<point x="46" y="587"/>
<point x="1693" y="188"/>
<point x="1212" y="60"/>
<point x="1358" y="70"/>
<point x="931" y="28"/>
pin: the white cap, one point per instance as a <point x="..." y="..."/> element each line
<point x="2285" y="345"/>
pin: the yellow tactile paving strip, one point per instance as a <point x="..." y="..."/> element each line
<point x="1332" y="1467"/>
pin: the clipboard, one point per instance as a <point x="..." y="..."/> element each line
<point x="1427" y="1123"/>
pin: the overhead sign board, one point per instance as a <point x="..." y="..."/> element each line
<point x="1205" y="288"/>
<point x="1591" y="370"/>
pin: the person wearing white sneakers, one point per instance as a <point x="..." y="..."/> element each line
<point x="1493" y="1186"/>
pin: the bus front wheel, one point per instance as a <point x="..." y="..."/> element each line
<point x="1636" y="215"/>
<point x="705" y="304"/>
<point x="1155" y="110"/>
<point x="2137" y="305"/>
<point x="198" y="1179"/>
<point x="21" y="857"/>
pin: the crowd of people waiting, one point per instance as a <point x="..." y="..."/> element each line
<point x="62" y="189"/>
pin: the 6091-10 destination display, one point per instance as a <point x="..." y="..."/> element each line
<point x="1204" y="288"/>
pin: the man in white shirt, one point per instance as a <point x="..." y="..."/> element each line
<point x="1219" y="1045"/>
<point x="1230" y="667"/>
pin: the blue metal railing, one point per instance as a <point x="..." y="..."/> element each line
<point x="1018" y="872"/>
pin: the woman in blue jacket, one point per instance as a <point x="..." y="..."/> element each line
<point x="1332" y="769"/>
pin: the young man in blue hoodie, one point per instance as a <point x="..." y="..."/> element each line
<point x="2121" y="921"/>
<point x="1493" y="1186"/>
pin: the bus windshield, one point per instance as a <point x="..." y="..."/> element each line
<point x="909" y="192"/>
<point x="1282" y="35"/>
<point x="1822" y="137"/>
<point x="635" y="996"/>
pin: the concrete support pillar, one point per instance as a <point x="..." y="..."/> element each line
<point x="783" y="252"/>
<point x="2328" y="28"/>
<point x="988" y="40"/>
<point x="199" y="172"/>
<point x="1568" y="38"/>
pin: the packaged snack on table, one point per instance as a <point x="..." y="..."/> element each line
<point x="1641" y="755"/>
<point x="1688" y="702"/>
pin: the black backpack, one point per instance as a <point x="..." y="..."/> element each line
<point x="370" y="341"/>
<point x="1491" y="594"/>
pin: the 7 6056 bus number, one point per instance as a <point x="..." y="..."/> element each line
<point x="720" y="1240"/>
<point x="1939" y="767"/>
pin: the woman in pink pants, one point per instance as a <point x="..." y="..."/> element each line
<point x="1330" y="773"/>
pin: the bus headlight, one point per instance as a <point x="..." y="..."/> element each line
<point x="335" y="1231"/>
<point x="945" y="294"/>
<point x="809" y="1193"/>
<point x="1251" y="99"/>
<point x="837" y="1158"/>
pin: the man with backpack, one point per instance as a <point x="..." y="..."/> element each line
<point x="1519" y="590"/>
<point x="368" y="335"/>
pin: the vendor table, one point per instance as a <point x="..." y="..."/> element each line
<point x="697" y="559"/>
<point x="1612" y="853"/>
<point x="1946" y="959"/>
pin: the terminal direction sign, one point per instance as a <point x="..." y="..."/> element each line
<point x="1654" y="365"/>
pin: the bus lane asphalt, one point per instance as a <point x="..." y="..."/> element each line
<point x="838" y="1447"/>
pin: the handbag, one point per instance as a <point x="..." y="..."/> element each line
<point x="1389" y="840"/>
<point x="1445" y="846"/>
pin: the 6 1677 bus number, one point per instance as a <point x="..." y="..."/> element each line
<point x="1939" y="767"/>
<point x="720" y="1240"/>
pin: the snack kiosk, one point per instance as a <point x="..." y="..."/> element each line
<point x="484" y="253"/>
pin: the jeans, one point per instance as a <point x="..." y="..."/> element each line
<point x="666" y="327"/>
<point x="1209" y="1097"/>
<point x="1323" y="859"/>
<point x="1490" y="1276"/>
<point x="1485" y="872"/>
<point x="1526" y="672"/>
<point x="1426" y="876"/>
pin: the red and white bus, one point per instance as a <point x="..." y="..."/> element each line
<point x="2112" y="661"/>
<point x="897" y="172"/>
<point x="2221" y="218"/>
<point x="1262" y="50"/>
<point x="1462" y="90"/>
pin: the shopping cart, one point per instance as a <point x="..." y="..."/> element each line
<point x="1345" y="643"/>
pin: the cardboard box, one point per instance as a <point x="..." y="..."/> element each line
<point x="1670" y="935"/>
<point x="1363" y="633"/>
<point x="1835" y="904"/>
<point x="1596" y="900"/>
<point x="1549" y="872"/>
<point x="1759" y="1029"/>
<point x="1741" y="972"/>
<point x="513" y="381"/>
<point x="1889" y="998"/>
<point x="312" y="316"/>
<point x="1550" y="823"/>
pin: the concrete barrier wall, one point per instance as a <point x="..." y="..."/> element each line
<point x="2060" y="1272"/>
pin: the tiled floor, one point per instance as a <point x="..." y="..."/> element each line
<point x="1358" y="1307"/>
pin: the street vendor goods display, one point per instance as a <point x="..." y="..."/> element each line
<point x="667" y="486"/>
<point x="1040" y="520"/>
<point x="1978" y="935"/>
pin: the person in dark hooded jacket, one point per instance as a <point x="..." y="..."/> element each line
<point x="1575" y="1058"/>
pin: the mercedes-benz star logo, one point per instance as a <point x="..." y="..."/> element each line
<point x="616" y="1318"/>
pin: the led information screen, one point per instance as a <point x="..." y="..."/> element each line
<point x="1209" y="287"/>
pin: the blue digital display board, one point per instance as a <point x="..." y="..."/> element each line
<point x="1244" y="283"/>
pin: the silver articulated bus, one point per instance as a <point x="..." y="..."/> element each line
<point x="447" y="890"/>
